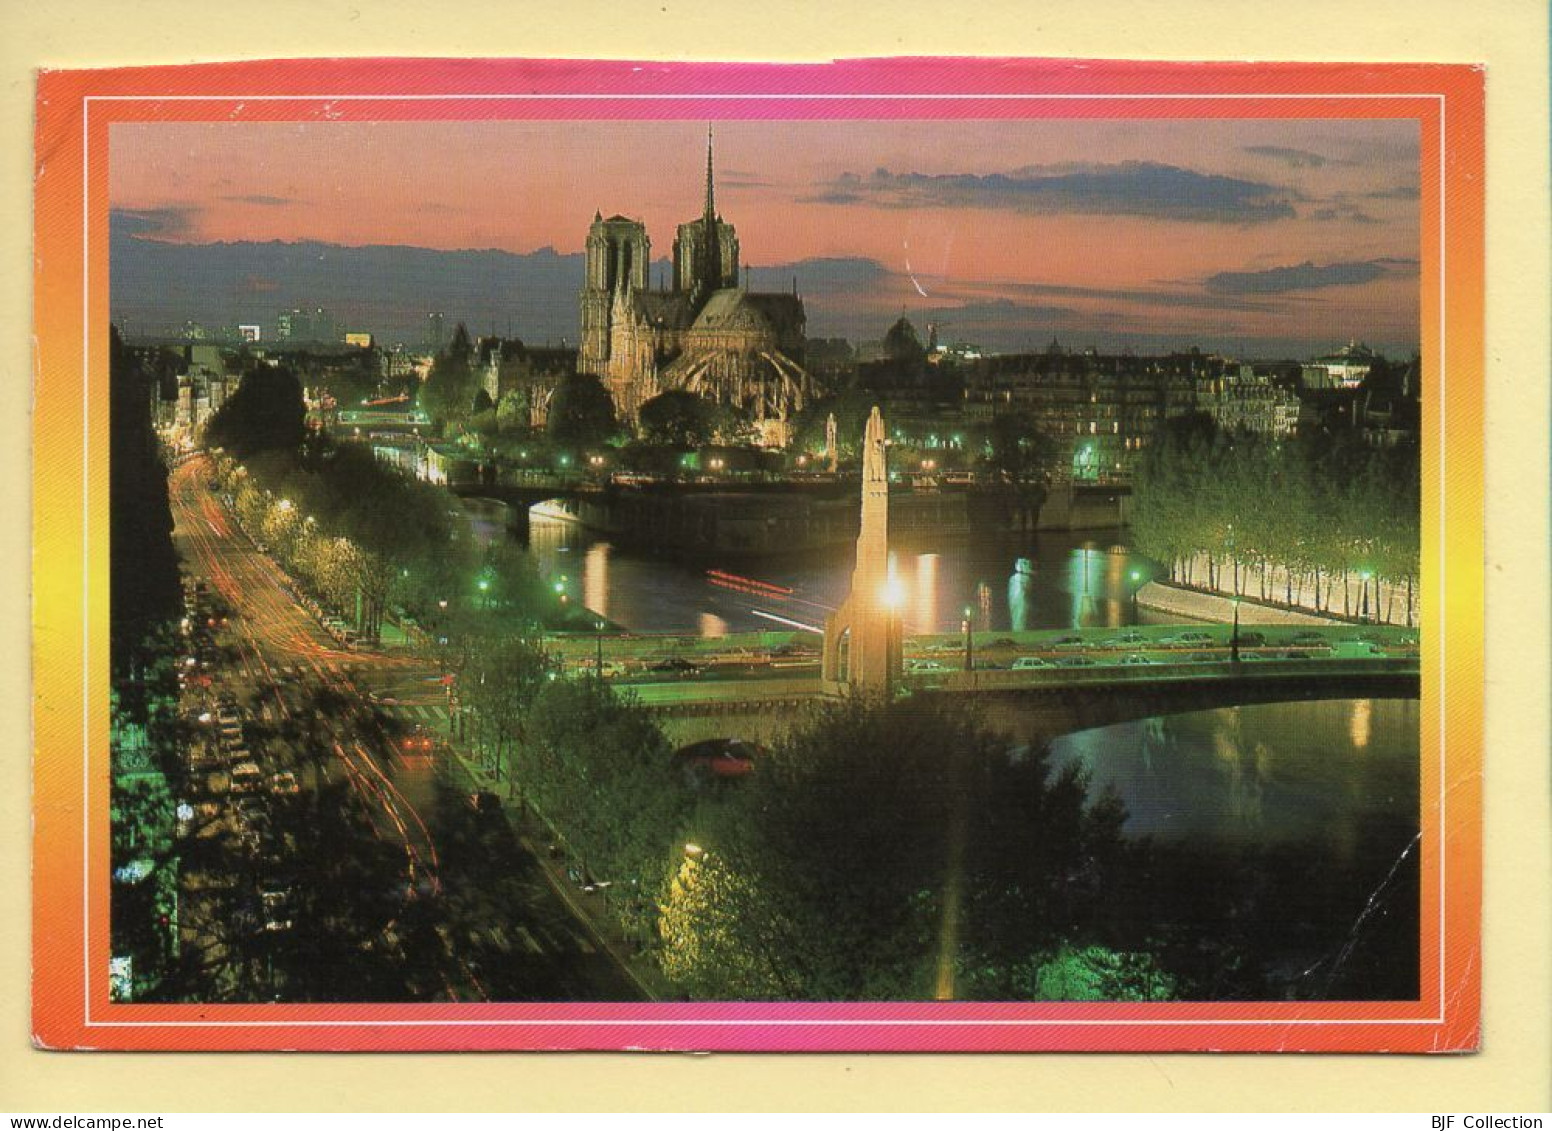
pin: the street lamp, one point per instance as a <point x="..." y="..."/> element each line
<point x="969" y="641"/>
<point x="599" y="640"/>
<point x="1234" y="637"/>
<point x="1136" y="585"/>
<point x="891" y="595"/>
<point x="1363" y="613"/>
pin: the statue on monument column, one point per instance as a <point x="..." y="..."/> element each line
<point x="832" y="456"/>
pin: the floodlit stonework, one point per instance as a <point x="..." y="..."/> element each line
<point x="862" y="637"/>
<point x="706" y="334"/>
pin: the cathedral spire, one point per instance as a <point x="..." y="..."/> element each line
<point x="711" y="269"/>
<point x="711" y="199"/>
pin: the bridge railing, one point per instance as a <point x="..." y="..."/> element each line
<point x="1163" y="674"/>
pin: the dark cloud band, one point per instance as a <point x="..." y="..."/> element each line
<point x="1307" y="277"/>
<point x="1133" y="188"/>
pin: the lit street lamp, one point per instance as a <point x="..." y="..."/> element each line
<point x="1136" y="585"/>
<point x="969" y="641"/>
<point x="1233" y="559"/>
<point x="1363" y="613"/>
<point x="1234" y="637"/>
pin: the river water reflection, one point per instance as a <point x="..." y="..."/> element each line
<point x="1050" y="580"/>
<point x="1299" y="773"/>
<point x="1287" y="833"/>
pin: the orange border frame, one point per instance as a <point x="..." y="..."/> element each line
<point x="70" y="583"/>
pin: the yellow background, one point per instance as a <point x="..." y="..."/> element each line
<point x="1513" y="1072"/>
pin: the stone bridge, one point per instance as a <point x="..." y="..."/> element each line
<point x="1032" y="706"/>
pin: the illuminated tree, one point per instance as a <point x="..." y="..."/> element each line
<point x="503" y="677"/>
<point x="822" y="896"/>
<point x="712" y="943"/>
<point x="1095" y="973"/>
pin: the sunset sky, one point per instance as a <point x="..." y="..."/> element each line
<point x="1229" y="233"/>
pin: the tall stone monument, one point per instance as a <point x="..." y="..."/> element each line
<point x="832" y="456"/>
<point x="862" y="637"/>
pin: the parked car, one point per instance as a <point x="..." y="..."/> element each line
<point x="717" y="758"/>
<point x="1356" y="649"/>
<point x="1186" y="639"/>
<point x="246" y="777"/>
<point x="1126" y="639"/>
<point x="1029" y="663"/>
<point x="674" y="665"/>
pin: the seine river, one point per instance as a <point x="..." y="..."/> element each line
<point x="1055" y="580"/>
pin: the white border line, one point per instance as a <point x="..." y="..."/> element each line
<point x="86" y="569"/>
<point x="1444" y="791"/>
<point x="326" y="99"/>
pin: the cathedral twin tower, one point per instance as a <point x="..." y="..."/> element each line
<point x="707" y="334"/>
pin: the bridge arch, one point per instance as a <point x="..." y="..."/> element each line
<point x="1048" y="711"/>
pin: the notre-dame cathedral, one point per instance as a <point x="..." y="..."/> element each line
<point x="707" y="334"/>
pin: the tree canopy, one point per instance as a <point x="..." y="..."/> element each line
<point x="1321" y="505"/>
<point x="825" y="875"/>
<point x="448" y="396"/>
<point x="680" y="419"/>
<point x="582" y="411"/>
<point x="143" y="566"/>
<point x="266" y="413"/>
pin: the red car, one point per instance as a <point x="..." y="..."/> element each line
<point x="718" y="758"/>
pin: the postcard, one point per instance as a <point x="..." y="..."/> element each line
<point x="900" y="555"/>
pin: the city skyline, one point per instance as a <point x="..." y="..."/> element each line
<point x="1256" y="236"/>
